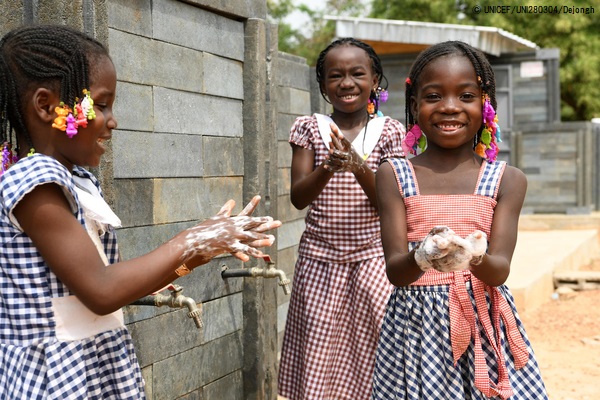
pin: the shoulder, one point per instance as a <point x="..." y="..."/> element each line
<point x="394" y="131"/>
<point x="34" y="170"/>
<point x="305" y="121"/>
<point x="394" y="125"/>
<point x="31" y="172"/>
<point x="304" y="131"/>
<point x="514" y="182"/>
<point x="391" y="138"/>
<point x="514" y="175"/>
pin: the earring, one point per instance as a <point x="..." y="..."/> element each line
<point x="68" y="120"/>
<point x="371" y="108"/>
<point x="490" y="134"/>
<point x="60" y="122"/>
<point x="8" y="157"/>
<point x="378" y="95"/>
<point x="413" y="140"/>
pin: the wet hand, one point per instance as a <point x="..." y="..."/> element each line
<point x="433" y="247"/>
<point x="342" y="156"/>
<point x="446" y="251"/>
<point x="239" y="235"/>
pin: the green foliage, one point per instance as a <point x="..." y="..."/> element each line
<point x="576" y="35"/>
<point x="443" y="11"/>
<point x="318" y="33"/>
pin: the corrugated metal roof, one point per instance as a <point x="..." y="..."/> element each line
<point x="409" y="35"/>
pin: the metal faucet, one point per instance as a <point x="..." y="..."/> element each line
<point x="269" y="272"/>
<point x="174" y="300"/>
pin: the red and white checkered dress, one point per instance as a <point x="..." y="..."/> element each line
<point x="340" y="287"/>
<point x="448" y="335"/>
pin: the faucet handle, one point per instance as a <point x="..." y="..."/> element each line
<point x="170" y="287"/>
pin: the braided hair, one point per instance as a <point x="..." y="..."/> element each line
<point x="349" y="41"/>
<point x="52" y="55"/>
<point x="482" y="66"/>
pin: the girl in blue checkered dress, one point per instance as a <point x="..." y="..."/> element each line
<point x="62" y="286"/>
<point x="449" y="218"/>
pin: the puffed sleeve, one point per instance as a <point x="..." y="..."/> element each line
<point x="391" y="146"/>
<point x="303" y="132"/>
<point x="29" y="173"/>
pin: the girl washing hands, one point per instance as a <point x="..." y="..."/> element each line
<point x="340" y="288"/>
<point x="449" y="219"/>
<point x="62" y="285"/>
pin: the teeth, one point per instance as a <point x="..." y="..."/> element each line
<point x="100" y="140"/>
<point x="450" y="126"/>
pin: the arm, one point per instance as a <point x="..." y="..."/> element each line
<point x="495" y="266"/>
<point x="401" y="267"/>
<point x="45" y="216"/>
<point x="306" y="183"/>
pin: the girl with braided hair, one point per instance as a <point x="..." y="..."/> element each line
<point x="62" y="285"/>
<point x="449" y="218"/>
<point x="340" y="288"/>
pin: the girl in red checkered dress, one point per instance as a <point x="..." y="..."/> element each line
<point x="449" y="219"/>
<point x="340" y="288"/>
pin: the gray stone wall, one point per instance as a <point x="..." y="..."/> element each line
<point x="192" y="96"/>
<point x="560" y="163"/>
<point x="178" y="156"/>
<point x="297" y="95"/>
<point x="293" y="94"/>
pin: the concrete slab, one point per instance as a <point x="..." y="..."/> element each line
<point x="539" y="254"/>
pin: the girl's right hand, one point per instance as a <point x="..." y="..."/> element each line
<point x="239" y="235"/>
<point x="342" y="157"/>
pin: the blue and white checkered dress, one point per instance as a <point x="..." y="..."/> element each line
<point x="34" y="364"/>
<point x="426" y="322"/>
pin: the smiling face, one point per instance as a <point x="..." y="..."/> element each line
<point x="447" y="105"/>
<point x="348" y="79"/>
<point x="87" y="147"/>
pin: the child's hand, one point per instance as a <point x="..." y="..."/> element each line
<point x="458" y="253"/>
<point x="342" y="156"/>
<point x="433" y="247"/>
<point x="478" y="243"/>
<point x="239" y="235"/>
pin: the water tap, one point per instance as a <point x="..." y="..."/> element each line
<point x="269" y="272"/>
<point x="174" y="300"/>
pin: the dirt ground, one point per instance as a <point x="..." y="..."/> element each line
<point x="565" y="336"/>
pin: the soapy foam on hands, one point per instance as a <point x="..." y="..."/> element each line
<point x="224" y="237"/>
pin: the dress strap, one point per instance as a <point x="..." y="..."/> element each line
<point x="489" y="178"/>
<point x="404" y="177"/>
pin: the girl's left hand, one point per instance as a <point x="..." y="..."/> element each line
<point x="239" y="235"/>
<point x="342" y="156"/>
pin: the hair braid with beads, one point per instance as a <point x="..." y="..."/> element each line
<point x="349" y="41"/>
<point x="482" y="66"/>
<point x="34" y="55"/>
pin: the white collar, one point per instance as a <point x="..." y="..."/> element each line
<point x="375" y="129"/>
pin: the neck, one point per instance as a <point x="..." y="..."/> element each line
<point x="350" y="121"/>
<point x="446" y="160"/>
